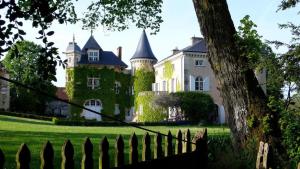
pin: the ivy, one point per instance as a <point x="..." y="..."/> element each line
<point x="149" y="113"/>
<point x="168" y="70"/>
<point x="79" y="92"/>
<point x="143" y="80"/>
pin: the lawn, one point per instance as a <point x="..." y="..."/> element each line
<point x="15" y="131"/>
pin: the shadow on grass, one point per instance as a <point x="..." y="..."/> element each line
<point x="23" y="120"/>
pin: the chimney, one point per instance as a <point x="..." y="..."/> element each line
<point x="175" y="50"/>
<point x="196" y="39"/>
<point x="119" y="52"/>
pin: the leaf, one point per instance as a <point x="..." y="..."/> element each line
<point x="21" y="32"/>
<point x="50" y="33"/>
<point x="50" y="44"/>
<point x="2" y="22"/>
<point x="41" y="32"/>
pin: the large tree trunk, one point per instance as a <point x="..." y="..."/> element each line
<point x="244" y="100"/>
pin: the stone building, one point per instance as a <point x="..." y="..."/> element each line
<point x="4" y="89"/>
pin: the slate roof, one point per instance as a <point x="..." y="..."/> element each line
<point x="143" y="50"/>
<point x="105" y="57"/>
<point x="198" y="46"/>
<point x="73" y="47"/>
<point x="91" y="44"/>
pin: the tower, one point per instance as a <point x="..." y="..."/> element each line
<point x="143" y="58"/>
<point x="73" y="53"/>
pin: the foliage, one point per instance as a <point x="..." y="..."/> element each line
<point x="142" y="81"/>
<point x="168" y="70"/>
<point x="41" y="14"/>
<point x="196" y="106"/>
<point x="79" y="92"/>
<point x="285" y="4"/>
<point x="25" y="70"/>
<point x="146" y="111"/>
<point x="30" y="116"/>
<point x="248" y="41"/>
<point x="118" y="15"/>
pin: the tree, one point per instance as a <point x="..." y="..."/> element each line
<point x="23" y="68"/>
<point x="244" y="100"/>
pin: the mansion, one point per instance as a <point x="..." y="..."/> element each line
<point x="99" y="80"/>
<point x="4" y="90"/>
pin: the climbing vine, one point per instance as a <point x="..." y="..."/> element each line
<point x="143" y="80"/>
<point x="146" y="111"/>
<point x="168" y="70"/>
<point x="78" y="91"/>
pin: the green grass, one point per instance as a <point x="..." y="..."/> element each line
<point x="14" y="131"/>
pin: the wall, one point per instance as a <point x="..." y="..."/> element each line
<point x="4" y="91"/>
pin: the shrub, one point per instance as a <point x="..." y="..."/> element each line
<point x="195" y="105"/>
<point x="147" y="111"/>
<point x="26" y="115"/>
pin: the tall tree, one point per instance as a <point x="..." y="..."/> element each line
<point x="243" y="97"/>
<point x="23" y="67"/>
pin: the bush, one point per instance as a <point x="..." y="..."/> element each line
<point x="71" y="122"/>
<point x="26" y="115"/>
<point x="195" y="105"/>
<point x="147" y="111"/>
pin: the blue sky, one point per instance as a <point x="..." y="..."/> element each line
<point x="180" y="24"/>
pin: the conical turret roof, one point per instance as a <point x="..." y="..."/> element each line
<point x="143" y="50"/>
<point x="91" y="44"/>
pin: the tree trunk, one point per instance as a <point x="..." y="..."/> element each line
<point x="243" y="98"/>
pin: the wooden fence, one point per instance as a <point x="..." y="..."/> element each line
<point x="187" y="155"/>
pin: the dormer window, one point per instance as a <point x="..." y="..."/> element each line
<point x="199" y="62"/>
<point x="93" y="55"/>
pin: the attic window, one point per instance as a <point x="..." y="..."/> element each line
<point x="93" y="55"/>
<point x="199" y="62"/>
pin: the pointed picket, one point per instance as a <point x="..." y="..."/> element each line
<point x="23" y="157"/>
<point x="104" y="155"/>
<point x="133" y="156"/>
<point x="67" y="154"/>
<point x="87" y="157"/>
<point x="47" y="156"/>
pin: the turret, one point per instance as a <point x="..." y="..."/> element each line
<point x="73" y="53"/>
<point x="143" y="57"/>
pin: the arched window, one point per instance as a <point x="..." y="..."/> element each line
<point x="199" y="83"/>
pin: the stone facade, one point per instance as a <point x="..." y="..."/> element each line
<point x="4" y="90"/>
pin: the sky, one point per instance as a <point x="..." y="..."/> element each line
<point x="180" y="24"/>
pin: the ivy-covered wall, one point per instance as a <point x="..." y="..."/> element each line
<point x="146" y="109"/>
<point x="78" y="91"/>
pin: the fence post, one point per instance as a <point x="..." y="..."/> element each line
<point x="158" y="153"/>
<point x="2" y="159"/>
<point x="259" y="157"/>
<point x="67" y="154"/>
<point x="87" y="155"/>
<point x="265" y="163"/>
<point x="168" y="145"/>
<point x="146" y="156"/>
<point x="201" y="148"/>
<point x="187" y="144"/>
<point x="179" y="143"/>
<point x="119" y="155"/>
<point x="133" y="156"/>
<point x="104" y="156"/>
<point x="47" y="156"/>
<point x="23" y="157"/>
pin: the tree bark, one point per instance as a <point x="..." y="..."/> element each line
<point x="239" y="88"/>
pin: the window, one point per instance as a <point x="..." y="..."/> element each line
<point x="164" y="85"/>
<point x="93" y="55"/>
<point x="199" y="62"/>
<point x="93" y="82"/>
<point x="199" y="84"/>
<point x="173" y="85"/>
<point x="117" y="87"/>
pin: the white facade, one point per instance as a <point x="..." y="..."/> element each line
<point x="191" y="72"/>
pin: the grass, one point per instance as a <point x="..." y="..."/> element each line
<point x="14" y="131"/>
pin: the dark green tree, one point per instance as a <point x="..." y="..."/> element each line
<point x="23" y="67"/>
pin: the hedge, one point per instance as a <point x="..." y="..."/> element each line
<point x="70" y="122"/>
<point x="31" y="116"/>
